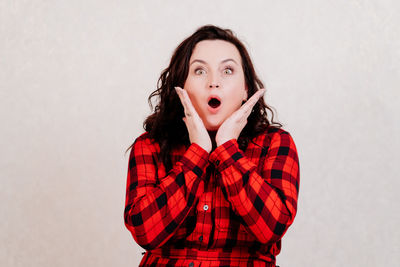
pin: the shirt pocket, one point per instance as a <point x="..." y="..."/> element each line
<point x="225" y="218"/>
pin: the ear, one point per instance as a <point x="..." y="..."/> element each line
<point x="246" y="93"/>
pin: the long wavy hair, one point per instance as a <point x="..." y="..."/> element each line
<point x="165" y="125"/>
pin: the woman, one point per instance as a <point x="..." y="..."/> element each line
<point x="212" y="182"/>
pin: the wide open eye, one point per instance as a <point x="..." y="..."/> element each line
<point x="228" y="70"/>
<point x="199" y="71"/>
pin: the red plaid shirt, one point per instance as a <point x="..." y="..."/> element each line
<point x="226" y="208"/>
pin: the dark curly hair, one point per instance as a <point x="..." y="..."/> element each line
<point x="166" y="127"/>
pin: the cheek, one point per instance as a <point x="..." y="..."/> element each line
<point x="235" y="104"/>
<point x="194" y="95"/>
<point x="236" y="82"/>
<point x="194" y="88"/>
<point x="236" y="98"/>
<point x="192" y="84"/>
<point x="237" y="91"/>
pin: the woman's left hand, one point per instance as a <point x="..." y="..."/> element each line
<point x="234" y="124"/>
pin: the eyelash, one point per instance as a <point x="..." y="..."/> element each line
<point x="230" y="68"/>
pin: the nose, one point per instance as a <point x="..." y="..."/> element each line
<point x="214" y="80"/>
<point x="214" y="85"/>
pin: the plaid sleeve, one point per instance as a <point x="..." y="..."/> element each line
<point x="156" y="207"/>
<point x="267" y="201"/>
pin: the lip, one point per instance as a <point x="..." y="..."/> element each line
<point x="211" y="109"/>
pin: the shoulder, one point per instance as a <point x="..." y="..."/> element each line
<point x="144" y="137"/>
<point x="274" y="135"/>
<point x="145" y="142"/>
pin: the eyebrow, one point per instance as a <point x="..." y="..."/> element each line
<point x="223" y="61"/>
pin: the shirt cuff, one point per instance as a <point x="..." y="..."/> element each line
<point x="226" y="154"/>
<point x="195" y="159"/>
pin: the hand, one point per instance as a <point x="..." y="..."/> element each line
<point x="234" y="124"/>
<point x="197" y="131"/>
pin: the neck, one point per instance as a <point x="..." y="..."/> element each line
<point x="212" y="137"/>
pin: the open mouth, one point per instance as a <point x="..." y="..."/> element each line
<point x="214" y="102"/>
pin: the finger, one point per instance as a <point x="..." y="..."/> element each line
<point x="253" y="100"/>
<point x="189" y="108"/>
<point x="179" y="93"/>
<point x="182" y="98"/>
<point x="189" y="104"/>
<point x="245" y="110"/>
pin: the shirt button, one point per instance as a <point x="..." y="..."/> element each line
<point x="191" y="264"/>
<point x="205" y="207"/>
<point x="201" y="238"/>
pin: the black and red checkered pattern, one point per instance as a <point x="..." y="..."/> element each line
<point x="226" y="208"/>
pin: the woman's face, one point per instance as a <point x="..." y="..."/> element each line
<point x="215" y="83"/>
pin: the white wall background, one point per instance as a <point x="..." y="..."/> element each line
<point x="74" y="80"/>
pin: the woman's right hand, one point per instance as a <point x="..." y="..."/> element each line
<point x="197" y="131"/>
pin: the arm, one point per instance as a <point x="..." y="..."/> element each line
<point x="155" y="208"/>
<point x="267" y="202"/>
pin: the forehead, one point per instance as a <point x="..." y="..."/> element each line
<point x="215" y="51"/>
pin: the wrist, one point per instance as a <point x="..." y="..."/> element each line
<point x="207" y="148"/>
<point x="223" y="141"/>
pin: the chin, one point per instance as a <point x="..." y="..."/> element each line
<point x="212" y="127"/>
<point x="213" y="124"/>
